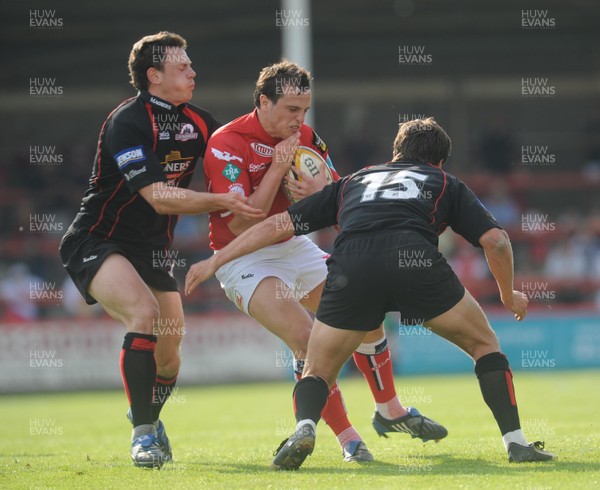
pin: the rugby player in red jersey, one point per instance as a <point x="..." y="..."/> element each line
<point x="251" y="156"/>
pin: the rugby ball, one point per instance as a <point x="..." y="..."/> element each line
<point x="310" y="162"/>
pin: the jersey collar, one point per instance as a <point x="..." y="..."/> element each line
<point x="159" y="104"/>
<point x="409" y="162"/>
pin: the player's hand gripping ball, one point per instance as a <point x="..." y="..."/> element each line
<point x="309" y="165"/>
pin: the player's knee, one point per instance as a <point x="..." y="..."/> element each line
<point x="477" y="336"/>
<point x="143" y="318"/>
<point x="482" y="343"/>
<point x="485" y="341"/>
<point x="320" y="372"/>
<point x="298" y="342"/>
<point x="485" y="347"/>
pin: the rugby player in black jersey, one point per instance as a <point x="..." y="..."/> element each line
<point x="390" y="215"/>
<point x="147" y="152"/>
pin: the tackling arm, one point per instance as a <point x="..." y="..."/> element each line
<point x="499" y="255"/>
<point x="272" y="230"/>
<point x="166" y="199"/>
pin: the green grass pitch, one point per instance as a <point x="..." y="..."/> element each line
<point x="224" y="436"/>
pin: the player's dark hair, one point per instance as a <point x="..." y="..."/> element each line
<point x="149" y="52"/>
<point x="422" y="140"/>
<point x="279" y="79"/>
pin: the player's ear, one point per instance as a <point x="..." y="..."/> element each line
<point x="153" y="75"/>
<point x="263" y="101"/>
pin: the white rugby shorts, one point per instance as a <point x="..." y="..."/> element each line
<point x="299" y="263"/>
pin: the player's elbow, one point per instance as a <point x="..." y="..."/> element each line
<point x="154" y="204"/>
<point x="495" y="240"/>
<point x="157" y="197"/>
<point x="159" y="206"/>
<point x="281" y="226"/>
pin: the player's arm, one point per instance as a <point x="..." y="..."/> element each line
<point x="166" y="199"/>
<point x="473" y="221"/>
<point x="275" y="228"/>
<point x="311" y="214"/>
<point x="172" y="200"/>
<point x="131" y="148"/>
<point x="499" y="255"/>
<point x="263" y="196"/>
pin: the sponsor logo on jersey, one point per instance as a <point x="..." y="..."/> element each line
<point x="91" y="257"/>
<point x="239" y="188"/>
<point x="186" y="133"/>
<point x="134" y="173"/>
<point x="130" y="155"/>
<point x="161" y="103"/>
<point x="257" y="167"/>
<point x="231" y="172"/>
<point x="225" y="155"/>
<point x="247" y="276"/>
<point x="164" y="135"/>
<point x="319" y="143"/>
<point x="262" y="149"/>
<point x="174" y="164"/>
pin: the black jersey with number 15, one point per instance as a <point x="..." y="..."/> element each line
<point x="395" y="196"/>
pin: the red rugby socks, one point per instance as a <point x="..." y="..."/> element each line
<point x="375" y="362"/>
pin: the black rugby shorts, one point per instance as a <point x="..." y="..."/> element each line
<point x="83" y="254"/>
<point x="369" y="276"/>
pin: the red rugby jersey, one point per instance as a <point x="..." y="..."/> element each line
<point x="237" y="157"/>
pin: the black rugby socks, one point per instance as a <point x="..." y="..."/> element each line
<point x="138" y="369"/>
<point x="310" y="396"/>
<point x="162" y="391"/>
<point x="496" y="384"/>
